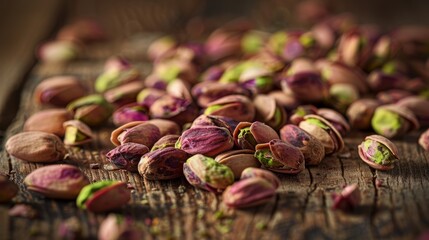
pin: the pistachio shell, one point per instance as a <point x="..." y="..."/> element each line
<point x="165" y="141"/>
<point x="336" y="119"/>
<point x="419" y="106"/>
<point x="212" y="120"/>
<point x="268" y="111"/>
<point x="165" y="126"/>
<point x="144" y="133"/>
<point x="56" y="119"/>
<point x="175" y="109"/>
<point x="248" y="192"/>
<point x="378" y="148"/>
<point x="247" y="135"/>
<point x="59" y="90"/>
<point x="424" y="140"/>
<point x="251" y="172"/>
<point x="393" y="121"/>
<point x="127" y="156"/>
<point x="103" y="196"/>
<point x="124" y="94"/>
<point x="77" y="133"/>
<point x="162" y="164"/>
<point x="238" y="160"/>
<point x="236" y="107"/>
<point x="360" y="113"/>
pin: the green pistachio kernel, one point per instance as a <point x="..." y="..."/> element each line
<point x="217" y="173"/>
<point x="266" y="158"/>
<point x="306" y="40"/>
<point x="89" y="190"/>
<point x="385" y="122"/>
<point x="277" y="41"/>
<point x="264" y="82"/>
<point x="251" y="43"/>
<point x="247" y="135"/>
<point x="317" y="122"/>
<point x="169" y="73"/>
<point x="277" y="117"/>
<point x="378" y="153"/>
<point x="212" y="109"/>
<point x="73" y="135"/>
<point x="233" y="74"/>
<point x="88" y="100"/>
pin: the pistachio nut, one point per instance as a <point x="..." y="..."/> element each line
<point x="360" y="113"/>
<point x="165" y="126"/>
<point x="103" y="196"/>
<point x="207" y="92"/>
<point x="378" y="152"/>
<point x="60" y="181"/>
<point x="256" y="77"/>
<point x="381" y="81"/>
<point x="336" y="119"/>
<point x="311" y="147"/>
<point x="168" y="70"/>
<point x="38" y="147"/>
<point x="253" y="41"/>
<point x="286" y="100"/>
<point x="348" y="199"/>
<point x="116" y="63"/>
<point x="248" y="192"/>
<point x="161" y="46"/>
<point x="247" y="135"/>
<point x="117" y="227"/>
<point x="129" y="113"/>
<point x="341" y="95"/>
<point x="301" y="111"/>
<point x="168" y="140"/>
<point x="175" y="109"/>
<point x="59" y="90"/>
<point x="323" y="130"/>
<point x="124" y="94"/>
<point x="419" y="106"/>
<point x="292" y="45"/>
<point x="207" y="140"/>
<point x="114" y="77"/>
<point x="148" y="96"/>
<point x="212" y="74"/>
<point x="223" y="43"/>
<point x="269" y="111"/>
<point x="127" y="155"/>
<point x="92" y="109"/>
<point x="162" y="164"/>
<point x="205" y="173"/>
<point x="392" y="95"/>
<point x="56" y="118"/>
<point x="180" y="89"/>
<point x="212" y="120"/>
<point x="8" y="189"/>
<point x="58" y="51"/>
<point x="424" y="140"/>
<point x="354" y="48"/>
<point x="137" y="132"/>
<point x="393" y="121"/>
<point x="236" y="107"/>
<point x="280" y="156"/>
<point x="252" y="172"/>
<point x="238" y="160"/>
<point x="77" y="133"/>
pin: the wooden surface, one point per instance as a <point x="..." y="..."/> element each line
<point x="394" y="203"/>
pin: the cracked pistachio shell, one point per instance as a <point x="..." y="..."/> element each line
<point x="205" y="173"/>
<point x="130" y="113"/>
<point x="179" y="88"/>
<point x="219" y="121"/>
<point x="175" y="109"/>
<point x="252" y="172"/>
<point x="91" y="109"/>
<point x="103" y="196"/>
<point x="360" y="113"/>
<point x="166" y="141"/>
<point x="236" y="107"/>
<point x="148" y="96"/>
<point x="137" y="132"/>
<point x="336" y="119"/>
<point x="419" y="106"/>
<point x="77" y="133"/>
<point x="56" y="119"/>
<point x="424" y="140"/>
<point x="247" y="135"/>
<point x="323" y="130"/>
<point x="127" y="156"/>
<point x="207" y="140"/>
<point x="238" y="160"/>
<point x="163" y="164"/>
<point x="114" y="77"/>
<point x="269" y="112"/>
<point x="301" y="111"/>
<point x="8" y="189"/>
<point x="311" y="148"/>
<point x="59" y="90"/>
<point x="124" y="94"/>
<point x="248" y="192"/>
<point x="393" y="121"/>
<point x="280" y="156"/>
<point x="38" y="147"/>
<point x="207" y="92"/>
<point x="60" y="181"/>
<point x="378" y="152"/>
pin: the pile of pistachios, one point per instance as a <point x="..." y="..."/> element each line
<point x="229" y="112"/>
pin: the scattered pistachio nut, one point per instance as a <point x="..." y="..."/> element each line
<point x="238" y="160"/>
<point x="348" y="199"/>
<point x="269" y="111"/>
<point x="77" y="133"/>
<point x="378" y="152"/>
<point x="117" y="227"/>
<point x="393" y="121"/>
<point x="61" y="181"/>
<point x="57" y="117"/>
<point x="248" y="192"/>
<point x="127" y="156"/>
<point x="336" y="119"/>
<point x="91" y="109"/>
<point x="8" y="189"/>
<point x="38" y="147"/>
<point x="165" y="141"/>
<point x="247" y="135"/>
<point x="130" y="113"/>
<point x="137" y="132"/>
<point x="59" y="91"/>
<point x="360" y="113"/>
<point x="103" y="196"/>
<point x="251" y="172"/>
<point x="236" y="107"/>
<point x="162" y="164"/>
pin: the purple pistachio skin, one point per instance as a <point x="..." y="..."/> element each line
<point x="163" y="164"/>
<point x="130" y="113"/>
<point x="306" y="86"/>
<point x="348" y="199"/>
<point x="137" y="132"/>
<point x="127" y="156"/>
<point x="172" y="108"/>
<point x="424" y="140"/>
<point x="207" y="140"/>
<point x="212" y="120"/>
<point x="206" y="92"/>
<point x="252" y="172"/>
<point x="336" y="119"/>
<point x="165" y="141"/>
<point x="236" y="107"/>
<point x="247" y="135"/>
<point x="248" y="192"/>
<point x="380" y="81"/>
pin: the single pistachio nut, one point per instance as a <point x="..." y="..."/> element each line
<point x="286" y="100"/>
<point x="56" y="118"/>
<point x="419" y="106"/>
<point x="38" y="147"/>
<point x="424" y="140"/>
<point x="236" y="107"/>
<point x="168" y="140"/>
<point x="129" y="113"/>
<point x="162" y="164"/>
<point x="180" y="89"/>
<point x="312" y="149"/>
<point x="168" y="70"/>
<point x="252" y="172"/>
<point x="123" y="94"/>
<point x="127" y="156"/>
<point x="161" y="46"/>
<point x="247" y="135"/>
<point x="392" y="96"/>
<point x="293" y="44"/>
<point x="148" y="96"/>
<point x="301" y="111"/>
<point x="8" y="189"/>
<point x="378" y="152"/>
<point x="117" y="227"/>
<point x="280" y="156"/>
<point x="114" y="77"/>
<point x="341" y="95"/>
<point x="223" y="43"/>
<point x="205" y="173"/>
<point x="103" y="196"/>
<point x="77" y="133"/>
<point x="238" y="160"/>
<point x="257" y="77"/>
<point x="175" y="109"/>
<point x="137" y="132"/>
<point x="59" y="91"/>
<point x="166" y="126"/>
<point x="60" y="181"/>
<point x="336" y="119"/>
<point x="269" y="111"/>
<point x="393" y="121"/>
<point x="324" y="131"/>
<point x="58" y="51"/>
<point x="206" y="92"/>
<point x="91" y="109"/>
<point x="212" y="120"/>
<point x="348" y="199"/>
<point x="207" y="140"/>
<point x="360" y="113"/>
<point x="248" y="192"/>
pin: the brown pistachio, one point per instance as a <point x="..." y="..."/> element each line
<point x="238" y="160"/>
<point x="336" y="119"/>
<point x="419" y="106"/>
<point x="137" y="132"/>
<point x="324" y="131"/>
<point x="311" y="147"/>
<point x="247" y="135"/>
<point x="77" y="133"/>
<point x="165" y="126"/>
<point x="175" y="109"/>
<point x="248" y="192"/>
<point x="8" y="189"/>
<point x="59" y="91"/>
<point x="207" y="140"/>
<point x="269" y="112"/>
<point x="168" y="140"/>
<point x="127" y="155"/>
<point x="378" y="152"/>
<point x="39" y="147"/>
<point x="360" y="113"/>
<point x="124" y="94"/>
<point x="236" y="107"/>
<point x="180" y="89"/>
<point x="393" y="121"/>
<point x="162" y="164"/>
<point x="392" y="95"/>
<point x="424" y="140"/>
<point x="130" y="113"/>
<point x="160" y="46"/>
<point x="252" y="172"/>
<point x="286" y="100"/>
<point x="56" y="119"/>
<point x="61" y="181"/>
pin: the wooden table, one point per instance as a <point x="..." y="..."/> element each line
<point x="394" y="203"/>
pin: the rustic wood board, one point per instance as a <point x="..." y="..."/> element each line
<point x="394" y="203"/>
